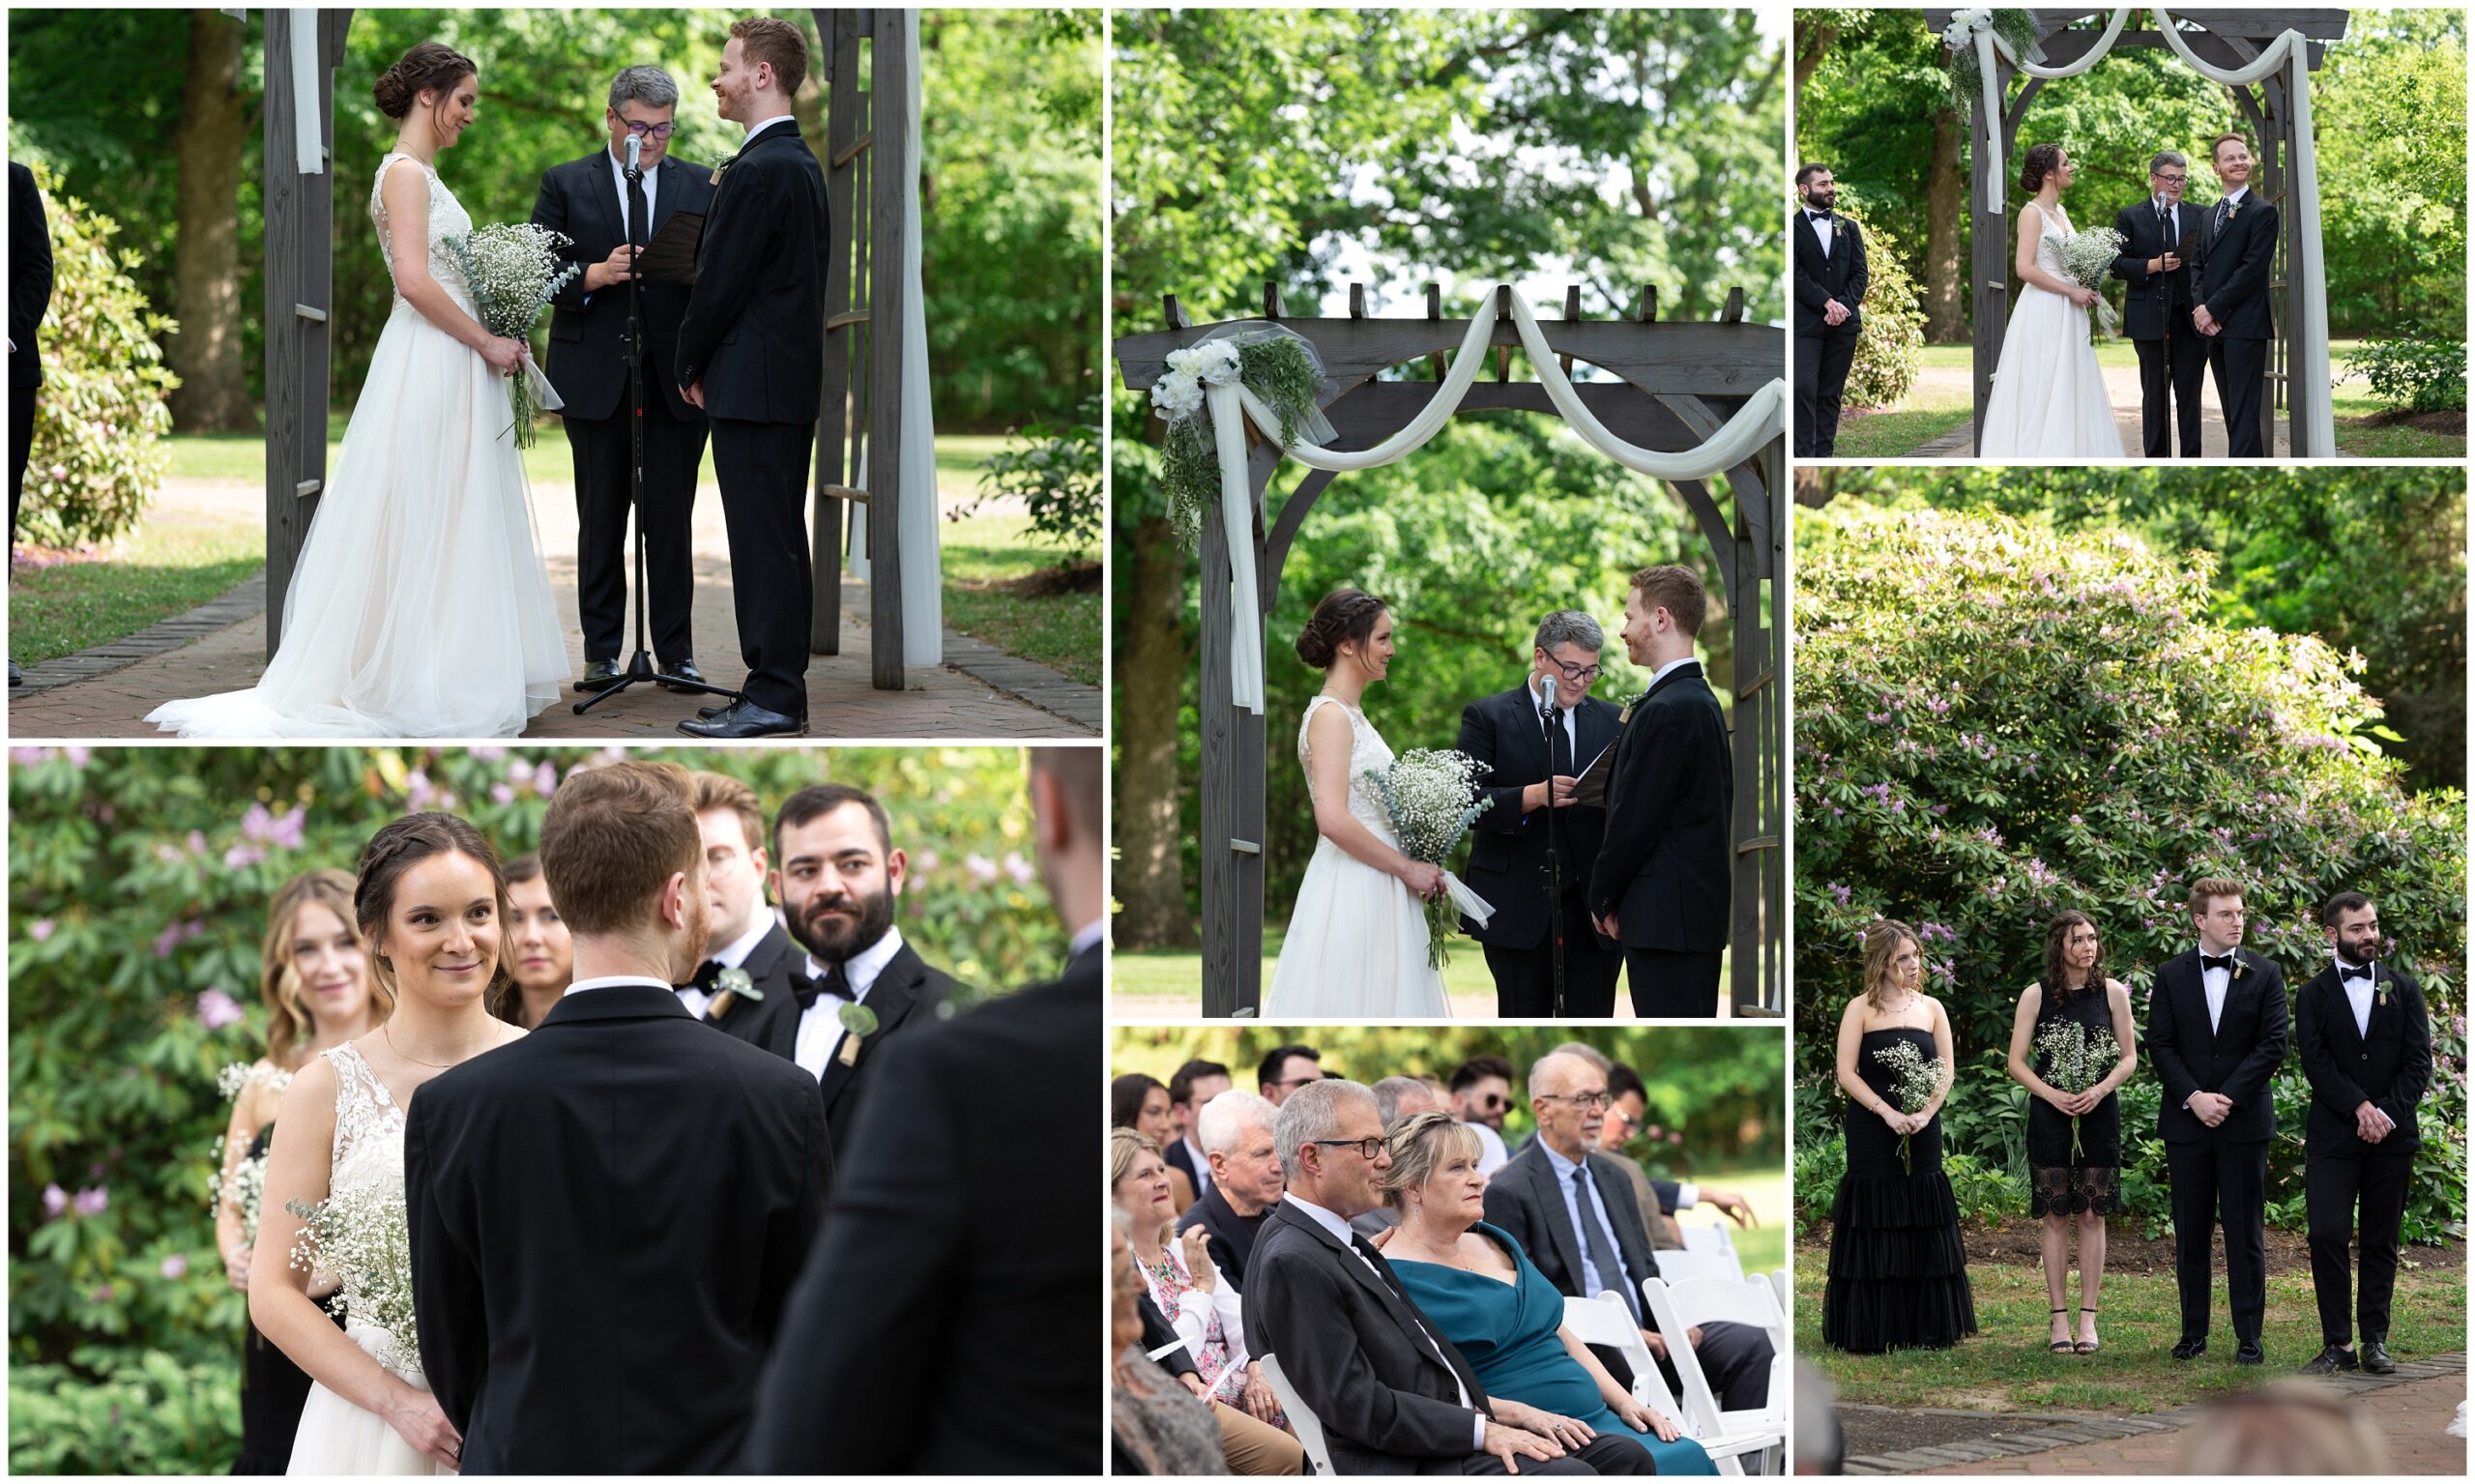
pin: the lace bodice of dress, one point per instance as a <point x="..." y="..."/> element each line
<point x="2053" y="227"/>
<point x="1368" y="753"/>
<point x="446" y="219"/>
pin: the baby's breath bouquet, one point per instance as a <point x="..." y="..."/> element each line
<point x="513" y="270"/>
<point x="363" y="1235"/>
<point x="2075" y="1059"/>
<point x="1433" y="797"/>
<point x="241" y="1186"/>
<point x="1915" y="1077"/>
<point x="1274" y="364"/>
<point x="2088" y="260"/>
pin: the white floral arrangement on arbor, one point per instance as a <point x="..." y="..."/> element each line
<point x="1275" y="363"/>
<point x="2018" y="29"/>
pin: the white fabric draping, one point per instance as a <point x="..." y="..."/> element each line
<point x="1761" y="419"/>
<point x="309" y="136"/>
<point x="923" y="582"/>
<point x="2290" y="53"/>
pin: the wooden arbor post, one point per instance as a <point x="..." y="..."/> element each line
<point x="2231" y="38"/>
<point x="1678" y="383"/>
<point x="858" y="446"/>
<point x="299" y="298"/>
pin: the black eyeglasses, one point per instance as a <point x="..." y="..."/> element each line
<point x="1578" y="1099"/>
<point x="1584" y="674"/>
<point x="2170" y="180"/>
<point x="658" y="131"/>
<point x="1369" y="1148"/>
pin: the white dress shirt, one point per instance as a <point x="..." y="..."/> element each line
<point x="1822" y="229"/>
<point x="820" y="1030"/>
<point x="2359" y="993"/>
<point x="608" y="979"/>
<point x="1342" y="1234"/>
<point x="1662" y="671"/>
<point x="1088" y="937"/>
<point x="1564" y="714"/>
<point x="1203" y="1164"/>
<point x="2213" y="982"/>
<point x="652" y="184"/>
<point x="731" y="956"/>
<point x="779" y="118"/>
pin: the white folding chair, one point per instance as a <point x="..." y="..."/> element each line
<point x="1606" y="1322"/>
<point x="1707" y="1237"/>
<point x="1779" y="1288"/>
<point x="1683" y="1265"/>
<point x="1678" y="1307"/>
<point x="1301" y="1421"/>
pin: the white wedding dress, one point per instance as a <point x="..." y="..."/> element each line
<point x="418" y="606"/>
<point x="1358" y="937"/>
<point x="2048" y="399"/>
<point x="336" y="1436"/>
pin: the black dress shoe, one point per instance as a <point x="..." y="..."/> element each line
<point x="599" y="675"/>
<point x="2249" y="1353"/>
<point x="2375" y="1358"/>
<point x="743" y="720"/>
<point x="2332" y="1359"/>
<point x="2186" y="1350"/>
<point x="684" y="668"/>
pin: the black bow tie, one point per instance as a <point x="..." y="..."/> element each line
<point x="2209" y="963"/>
<point x="805" y="988"/>
<point x="1817" y="215"/>
<point x="2347" y="972"/>
<point x="708" y="974"/>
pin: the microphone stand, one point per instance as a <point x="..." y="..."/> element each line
<point x="640" y="667"/>
<point x="1554" y="868"/>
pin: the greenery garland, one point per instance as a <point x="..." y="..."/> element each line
<point x="1276" y="368"/>
<point x="2016" y="27"/>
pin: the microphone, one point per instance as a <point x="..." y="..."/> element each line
<point x="1547" y="701"/>
<point x="636" y="147"/>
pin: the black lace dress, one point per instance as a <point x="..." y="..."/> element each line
<point x="2059" y="1184"/>
<point x="1899" y="1272"/>
<point x="273" y="1390"/>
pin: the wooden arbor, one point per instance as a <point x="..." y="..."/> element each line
<point x="2229" y="38"/>
<point x="859" y="415"/>
<point x="1678" y="383"/>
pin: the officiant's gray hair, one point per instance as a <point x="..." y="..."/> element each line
<point x="645" y="84"/>
<point x="2158" y="161"/>
<point x="1570" y="626"/>
<point x="1314" y="1112"/>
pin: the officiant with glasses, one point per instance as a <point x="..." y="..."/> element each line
<point x="588" y="200"/>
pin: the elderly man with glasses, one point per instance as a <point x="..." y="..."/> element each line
<point x="2159" y="235"/>
<point x="1538" y="741"/>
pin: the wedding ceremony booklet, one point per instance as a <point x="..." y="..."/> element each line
<point x="1591" y="788"/>
<point x="672" y="253"/>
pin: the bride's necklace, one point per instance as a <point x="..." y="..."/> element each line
<point x="439" y="1066"/>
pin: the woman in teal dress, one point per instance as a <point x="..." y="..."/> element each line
<point x="1476" y="1286"/>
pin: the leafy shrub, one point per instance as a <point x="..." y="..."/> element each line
<point x="101" y="414"/>
<point x="143" y="1412"/>
<point x="1055" y="470"/>
<point x="2414" y="372"/>
<point x="1890" y="343"/>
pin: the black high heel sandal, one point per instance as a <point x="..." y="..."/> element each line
<point x="2086" y="1347"/>
<point x="2061" y="1347"/>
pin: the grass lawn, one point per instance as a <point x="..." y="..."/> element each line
<point x="1928" y="414"/>
<point x="1167" y="981"/>
<point x="1760" y="1248"/>
<point x="984" y="554"/>
<point x="173" y="562"/>
<point x="2006" y="1366"/>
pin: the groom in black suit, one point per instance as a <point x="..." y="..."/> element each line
<point x="2159" y="235"/>
<point x="607" y="1215"/>
<point x="1661" y="883"/>
<point x="2217" y="1031"/>
<point x="588" y="200"/>
<point x="1526" y="759"/>
<point x="751" y="353"/>
<point x="2237" y="244"/>
<point x="1829" y="255"/>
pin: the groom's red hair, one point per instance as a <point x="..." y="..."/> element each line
<point x="613" y="838"/>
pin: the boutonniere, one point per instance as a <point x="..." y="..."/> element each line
<point x="2380" y="988"/>
<point x="858" y="1023"/>
<point x="728" y="160"/>
<point x="2241" y="968"/>
<point x="730" y="986"/>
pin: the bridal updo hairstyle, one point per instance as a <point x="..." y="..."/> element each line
<point x="2040" y="161"/>
<point x="398" y="847"/>
<point x="1344" y="616"/>
<point x="429" y="65"/>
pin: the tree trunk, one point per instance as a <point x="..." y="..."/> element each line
<point x="1813" y="43"/>
<point x="1946" y="190"/>
<point x="1153" y="912"/>
<point x="205" y="353"/>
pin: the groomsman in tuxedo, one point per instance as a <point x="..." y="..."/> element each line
<point x="1829" y="255"/>
<point x="942" y="1331"/>
<point x="745" y="936"/>
<point x="752" y="353"/>
<point x="2217" y="1031"/>
<point x="838" y="875"/>
<point x="1190" y="1086"/>
<point x="1661" y="882"/>
<point x="29" y="298"/>
<point x="2367" y="1047"/>
<point x="2237" y="246"/>
<point x="590" y="202"/>
<point x="1529" y="762"/>
<point x="607" y="1217"/>
<point x="2156" y="264"/>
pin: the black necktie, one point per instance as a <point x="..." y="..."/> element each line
<point x="1559" y="759"/>
<point x="2217" y="222"/>
<point x="1602" y="1255"/>
<point x="2347" y="972"/>
<point x="636" y="212"/>
<point x="2209" y="963"/>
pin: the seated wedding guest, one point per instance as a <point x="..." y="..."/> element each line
<point x="1153" y="1427"/>
<point x="1190" y="1086"/>
<point x="1395" y="1099"/>
<point x="542" y="952"/>
<point x="765" y="1010"/>
<point x="1575" y="1216"/>
<point x="2289" y="1427"/>
<point x="1237" y="1133"/>
<point x="1139" y="1101"/>
<point x="1287" y="1068"/>
<point x="1482" y="1095"/>
<point x="1393" y="1395"/>
<point x="1672" y="1195"/>
<point x="1624" y="1118"/>
<point x="1176" y="1265"/>
<point x="313" y="975"/>
<point x="1489" y="1299"/>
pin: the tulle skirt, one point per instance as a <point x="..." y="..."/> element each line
<point x="338" y="1438"/>
<point x="418" y="606"/>
<point x="2048" y="399"/>
<point x="1357" y="947"/>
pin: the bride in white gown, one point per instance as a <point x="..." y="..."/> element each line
<point x="418" y="606"/>
<point x="1356" y="945"/>
<point x="2048" y="399"/>
<point x="433" y="911"/>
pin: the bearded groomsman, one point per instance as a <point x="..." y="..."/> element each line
<point x="2217" y="1031"/>
<point x="2367" y="1047"/>
<point x="1829" y="255"/>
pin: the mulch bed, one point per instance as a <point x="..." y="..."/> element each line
<point x="1071" y="577"/>
<point x="2017" y="1245"/>
<point x="2442" y="424"/>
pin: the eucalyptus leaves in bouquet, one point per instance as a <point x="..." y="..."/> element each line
<point x="1275" y="363"/>
<point x="514" y="271"/>
<point x="2088" y="260"/>
<point x="2018" y="29"/>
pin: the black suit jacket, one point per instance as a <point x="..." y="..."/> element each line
<point x="2152" y="299"/>
<point x="2234" y="268"/>
<point x="905" y="995"/>
<point x="1819" y="280"/>
<point x="610" y="1206"/>
<point x="2238" y="1060"/>
<point x="1228" y="1237"/>
<point x="29" y="275"/>
<point x="1527" y="1202"/>
<point x="1508" y="848"/>
<point x="755" y="327"/>
<point x="2390" y="1064"/>
<point x="1665" y="868"/>
<point x="774" y="964"/>
<point x="937" y="1330"/>
<point x="588" y="333"/>
<point x="1176" y="1158"/>
<point x="1352" y="1345"/>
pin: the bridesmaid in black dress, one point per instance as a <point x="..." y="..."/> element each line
<point x="314" y="977"/>
<point x="2061" y="1186"/>
<point x="1898" y="1269"/>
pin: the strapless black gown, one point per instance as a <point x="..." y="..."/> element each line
<point x="1898" y="1274"/>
